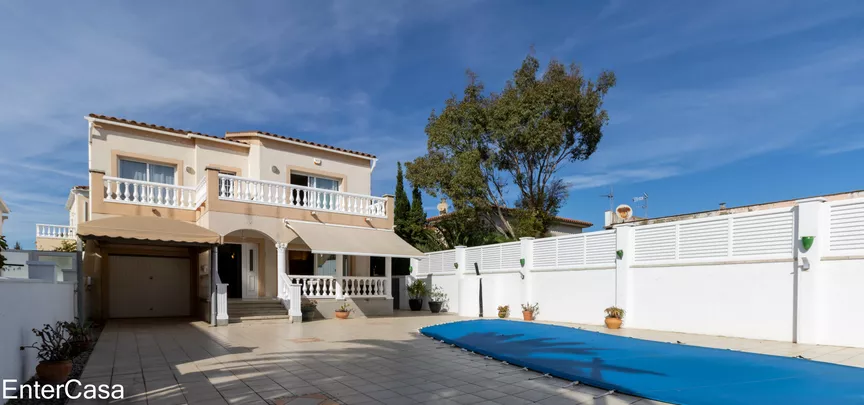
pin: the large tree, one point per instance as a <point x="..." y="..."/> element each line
<point x="482" y="143"/>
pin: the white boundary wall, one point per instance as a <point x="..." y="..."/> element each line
<point x="743" y="275"/>
<point x="25" y="305"/>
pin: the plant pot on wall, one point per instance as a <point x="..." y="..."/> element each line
<point x="54" y="372"/>
<point x="613" y="323"/>
<point x="435" y="306"/>
<point x="415" y="304"/>
<point x="528" y="315"/>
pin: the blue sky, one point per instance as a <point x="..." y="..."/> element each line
<point x="736" y="101"/>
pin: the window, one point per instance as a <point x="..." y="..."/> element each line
<point x="326" y="264"/>
<point x="152" y="172"/>
<point x="304" y="197"/>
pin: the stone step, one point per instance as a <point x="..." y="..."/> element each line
<point x="235" y="319"/>
<point x="262" y="312"/>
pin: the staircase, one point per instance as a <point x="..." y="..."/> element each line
<point x="243" y="311"/>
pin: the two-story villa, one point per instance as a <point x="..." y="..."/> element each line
<point x="166" y="208"/>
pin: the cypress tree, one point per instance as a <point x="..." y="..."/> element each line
<point x="402" y="209"/>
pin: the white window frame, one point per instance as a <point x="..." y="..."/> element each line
<point x="312" y="180"/>
<point x="147" y="169"/>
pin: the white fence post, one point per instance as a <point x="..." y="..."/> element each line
<point x="221" y="304"/>
<point x="811" y="221"/>
<point x="461" y="265"/>
<point x="294" y="302"/>
<point x="625" y="250"/>
<point x="527" y="263"/>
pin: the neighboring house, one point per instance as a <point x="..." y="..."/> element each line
<point x="165" y="206"/>
<point x="560" y="225"/>
<point x="613" y="220"/>
<point x="4" y="214"/>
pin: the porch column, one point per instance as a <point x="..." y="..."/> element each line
<point x="388" y="275"/>
<point x="280" y="265"/>
<point x="340" y="267"/>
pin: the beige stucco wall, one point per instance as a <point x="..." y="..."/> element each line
<point x="286" y="157"/>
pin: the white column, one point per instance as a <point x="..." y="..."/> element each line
<point x="388" y="275"/>
<point x="527" y="263"/>
<point x="340" y="267"/>
<point x="624" y="241"/>
<point x="281" y="273"/>
<point x="811" y="219"/>
<point x="294" y="299"/>
<point x="461" y="268"/>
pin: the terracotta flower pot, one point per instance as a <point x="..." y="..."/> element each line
<point x="342" y="315"/>
<point x="528" y="315"/>
<point x="613" y="323"/>
<point x="54" y="372"/>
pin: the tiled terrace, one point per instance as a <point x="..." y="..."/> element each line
<point x="357" y="361"/>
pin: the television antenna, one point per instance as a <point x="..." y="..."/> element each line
<point x="611" y="197"/>
<point x="644" y="200"/>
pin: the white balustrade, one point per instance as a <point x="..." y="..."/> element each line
<point x="201" y="192"/>
<point x="55" y="231"/>
<point x="138" y="192"/>
<point x="364" y="286"/>
<point x="315" y="286"/>
<point x="326" y="286"/>
<point x="289" y="195"/>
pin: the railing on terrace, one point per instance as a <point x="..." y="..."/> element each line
<point x="331" y="287"/>
<point x="242" y="189"/>
<point x="55" y="231"/>
<point x="128" y="191"/>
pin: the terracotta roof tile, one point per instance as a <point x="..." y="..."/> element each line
<point x="160" y="127"/>
<point x="320" y="145"/>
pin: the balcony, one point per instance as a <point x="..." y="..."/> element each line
<point x="55" y="231"/>
<point x="233" y="188"/>
<point x="225" y="190"/>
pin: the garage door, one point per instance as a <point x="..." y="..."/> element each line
<point x="142" y="286"/>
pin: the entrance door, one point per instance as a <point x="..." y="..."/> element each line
<point x="250" y="270"/>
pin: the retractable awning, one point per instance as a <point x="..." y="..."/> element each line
<point x="147" y="229"/>
<point x="351" y="240"/>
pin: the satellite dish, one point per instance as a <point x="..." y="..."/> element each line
<point x="624" y="211"/>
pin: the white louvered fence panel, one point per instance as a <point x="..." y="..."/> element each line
<point x="571" y="251"/>
<point x="491" y="258"/>
<point x="511" y="253"/>
<point x="448" y="258"/>
<point x="763" y="234"/>
<point x="423" y="266"/>
<point x="545" y="253"/>
<point x="435" y="262"/>
<point x="703" y="239"/>
<point x="600" y="248"/>
<point x="655" y="242"/>
<point x="846" y="227"/>
<point x="472" y="255"/>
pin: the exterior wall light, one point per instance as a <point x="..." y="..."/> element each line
<point x="807" y="242"/>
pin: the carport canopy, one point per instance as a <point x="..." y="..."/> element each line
<point x="153" y="229"/>
<point x="352" y="240"/>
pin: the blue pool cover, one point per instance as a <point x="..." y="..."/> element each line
<point x="668" y="372"/>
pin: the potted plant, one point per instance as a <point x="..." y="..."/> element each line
<point x="55" y="353"/>
<point x="343" y="311"/>
<point x="307" y="309"/>
<point x="416" y="291"/>
<point x="614" y="317"/>
<point x="80" y="336"/>
<point x="437" y="298"/>
<point x="530" y="311"/>
<point x="503" y="311"/>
